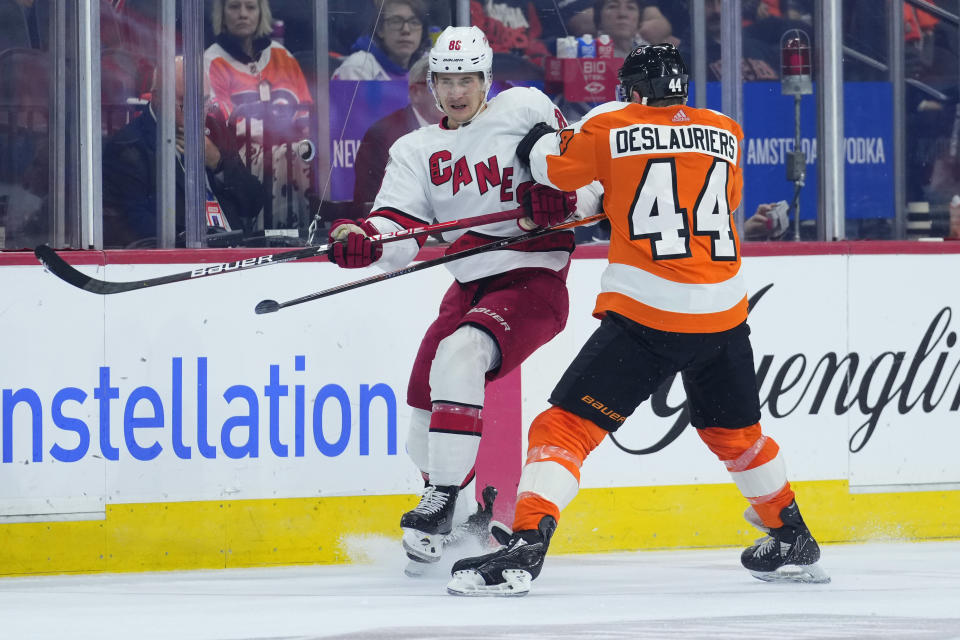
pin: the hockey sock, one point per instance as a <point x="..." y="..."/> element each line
<point x="453" y="442"/>
<point x="457" y="380"/>
<point x="417" y="438"/>
<point x="756" y="466"/>
<point x="466" y="498"/>
<point x="558" y="443"/>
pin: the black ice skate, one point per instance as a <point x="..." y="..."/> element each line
<point x="507" y="571"/>
<point x="468" y="537"/>
<point x="425" y="527"/>
<point x="475" y="530"/>
<point x="786" y="554"/>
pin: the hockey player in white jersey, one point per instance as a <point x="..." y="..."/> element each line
<point x="503" y="305"/>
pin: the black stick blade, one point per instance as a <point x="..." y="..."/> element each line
<point x="267" y="306"/>
<point x="63" y="270"/>
<point x="60" y="268"/>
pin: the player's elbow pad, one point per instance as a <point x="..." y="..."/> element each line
<point x="526" y="144"/>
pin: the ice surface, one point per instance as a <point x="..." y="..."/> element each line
<point x="882" y="590"/>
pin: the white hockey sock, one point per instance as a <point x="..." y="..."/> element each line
<point x="453" y="442"/>
<point x="459" y="369"/>
<point x="466" y="501"/>
<point x="417" y="438"/>
<point x="457" y="381"/>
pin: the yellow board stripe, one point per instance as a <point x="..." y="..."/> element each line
<point x="628" y="518"/>
<point x="248" y="533"/>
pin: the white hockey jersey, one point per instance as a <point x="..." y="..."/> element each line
<point x="440" y="174"/>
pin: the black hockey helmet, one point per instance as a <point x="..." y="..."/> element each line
<point x="655" y="71"/>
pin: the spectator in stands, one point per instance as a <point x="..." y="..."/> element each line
<point x="565" y="18"/>
<point x="261" y="90"/>
<point x="775" y="221"/>
<point x="763" y="21"/>
<point x="930" y="57"/>
<point x="800" y="10"/>
<point x="511" y="27"/>
<point x="399" y="39"/>
<point x="620" y="19"/>
<point x="655" y="26"/>
<point x="130" y="192"/>
<point x="768" y="222"/>
<point x="919" y="27"/>
<point x="371" y="160"/>
<point x="630" y="23"/>
<point x="761" y="59"/>
<point x="350" y="19"/>
<point x="676" y="14"/>
<point x="755" y="10"/>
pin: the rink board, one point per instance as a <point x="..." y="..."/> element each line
<point x="172" y="428"/>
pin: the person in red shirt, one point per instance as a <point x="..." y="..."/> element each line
<point x="512" y="26"/>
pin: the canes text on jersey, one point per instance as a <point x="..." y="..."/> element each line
<point x="484" y="174"/>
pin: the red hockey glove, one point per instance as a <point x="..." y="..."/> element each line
<point x="352" y="248"/>
<point x="546" y="206"/>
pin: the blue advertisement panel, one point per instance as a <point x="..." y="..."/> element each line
<point x="354" y="106"/>
<point x="769" y="132"/>
<point x="768" y="129"/>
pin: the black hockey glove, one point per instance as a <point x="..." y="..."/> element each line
<point x="538" y="131"/>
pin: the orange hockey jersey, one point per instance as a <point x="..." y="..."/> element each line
<point x="275" y="77"/>
<point x="672" y="176"/>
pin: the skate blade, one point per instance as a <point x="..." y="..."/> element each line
<point x="419" y="569"/>
<point x="470" y="583"/>
<point x="422" y="547"/>
<point x="807" y="573"/>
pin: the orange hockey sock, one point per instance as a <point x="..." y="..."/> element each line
<point x="756" y="466"/>
<point x="556" y="436"/>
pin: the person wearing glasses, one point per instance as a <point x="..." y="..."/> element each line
<point x="399" y="38"/>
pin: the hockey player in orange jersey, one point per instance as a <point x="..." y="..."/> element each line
<point x="671" y="300"/>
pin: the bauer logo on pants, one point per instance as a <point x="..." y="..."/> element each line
<point x="602" y="408"/>
<point x="493" y="314"/>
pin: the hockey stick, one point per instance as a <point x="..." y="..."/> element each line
<point x="63" y="270"/>
<point x="270" y="306"/>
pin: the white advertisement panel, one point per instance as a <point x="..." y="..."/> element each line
<point x="53" y="341"/>
<point x="857" y="369"/>
<point x="181" y="392"/>
<point x="905" y="425"/>
<point x="783" y="293"/>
